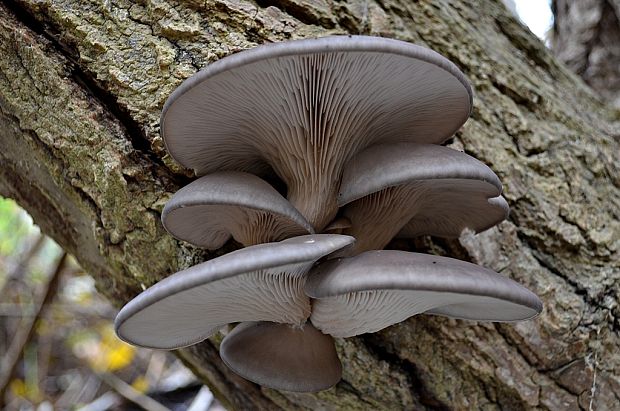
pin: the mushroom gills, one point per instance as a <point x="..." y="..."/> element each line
<point x="371" y="311"/>
<point x="303" y="108"/>
<point x="410" y="189"/>
<point x="208" y="211"/>
<point x="282" y="356"/>
<point x="195" y="314"/>
<point x="338" y="225"/>
<point x="443" y="208"/>
<point x="376" y="218"/>
<point x="258" y="283"/>
<point x="377" y="289"/>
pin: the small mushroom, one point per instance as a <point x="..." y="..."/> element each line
<point x="211" y="209"/>
<point x="417" y="189"/>
<point x="282" y="356"/>
<point x="258" y="283"/>
<point x="303" y="108"/>
<point x="376" y="289"/>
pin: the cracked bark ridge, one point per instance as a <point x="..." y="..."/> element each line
<point x="82" y="84"/>
<point x="586" y="37"/>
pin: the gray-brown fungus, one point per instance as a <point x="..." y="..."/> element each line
<point x="208" y="211"/>
<point x="351" y="125"/>
<point x="282" y="356"/>
<point x="376" y="289"/>
<point x="410" y="189"/>
<point x="304" y="108"/>
<point x="259" y="283"/>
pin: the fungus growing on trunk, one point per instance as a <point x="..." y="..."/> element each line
<point x="376" y="289"/>
<point x="303" y="108"/>
<point x="417" y="189"/>
<point x="349" y="122"/>
<point x="281" y="356"/>
<point x="259" y="283"/>
<point x="208" y="211"/>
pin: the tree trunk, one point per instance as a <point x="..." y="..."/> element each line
<point x="82" y="84"/>
<point x="586" y="36"/>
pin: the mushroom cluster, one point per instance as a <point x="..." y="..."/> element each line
<point x="352" y="127"/>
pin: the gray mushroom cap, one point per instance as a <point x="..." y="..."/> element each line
<point x="447" y="216"/>
<point x="283" y="357"/>
<point x="303" y="108"/>
<point x="417" y="189"/>
<point x="208" y="211"/>
<point x="258" y="283"/>
<point x="376" y="289"/>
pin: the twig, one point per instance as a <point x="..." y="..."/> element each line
<point x="155" y="369"/>
<point x="80" y="387"/>
<point x="131" y="393"/>
<point x="593" y="387"/>
<point x="105" y="402"/>
<point x="28" y="310"/>
<point x="19" y="270"/>
<point x="44" y="347"/>
<point x="202" y="401"/>
<point x="26" y="330"/>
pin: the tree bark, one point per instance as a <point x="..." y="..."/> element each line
<point x="586" y="37"/>
<point x="82" y="84"/>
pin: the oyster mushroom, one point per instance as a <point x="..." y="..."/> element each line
<point x="414" y="189"/>
<point x="282" y="356"/>
<point x="303" y="108"/>
<point x="376" y="289"/>
<point x="258" y="283"/>
<point x="315" y="112"/>
<point x="210" y="210"/>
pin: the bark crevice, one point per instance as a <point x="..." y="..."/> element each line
<point x="88" y="82"/>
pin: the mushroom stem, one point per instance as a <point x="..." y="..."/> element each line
<point x="401" y="203"/>
<point x="317" y="203"/>
<point x="262" y="227"/>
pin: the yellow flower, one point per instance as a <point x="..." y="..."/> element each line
<point x="140" y="384"/>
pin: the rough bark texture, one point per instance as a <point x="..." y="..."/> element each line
<point x="586" y="36"/>
<point x="82" y="84"/>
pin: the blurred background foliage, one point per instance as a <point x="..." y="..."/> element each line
<point x="57" y="342"/>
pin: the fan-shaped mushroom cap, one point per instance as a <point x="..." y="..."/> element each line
<point x="447" y="217"/>
<point x="211" y="209"/>
<point x="303" y="108"/>
<point x="258" y="283"/>
<point x="379" y="288"/>
<point x="282" y="356"/>
<point x="427" y="189"/>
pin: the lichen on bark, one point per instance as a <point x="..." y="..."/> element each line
<point x="82" y="84"/>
